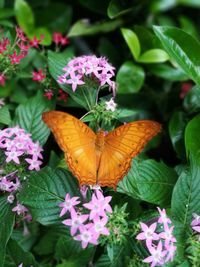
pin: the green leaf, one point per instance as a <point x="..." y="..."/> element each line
<point x="162" y="5"/>
<point x="6" y="13"/>
<point x="5" y="117"/>
<point x="183" y="48"/>
<point x="24" y="16"/>
<point x="44" y="191"/>
<point x="177" y="125"/>
<point x="185" y="199"/>
<point x="83" y="27"/>
<point x="6" y="226"/>
<point x="37" y="32"/>
<point x="29" y="117"/>
<point x="191" y="3"/>
<point x="192" y="141"/>
<point x="188" y="26"/>
<point x="167" y="72"/>
<point x="16" y="255"/>
<point x="69" y="249"/>
<point x="130" y="78"/>
<point x="191" y="101"/>
<point x="132" y="42"/>
<point x="153" y="56"/>
<point x="117" y="8"/>
<point x="149" y="181"/>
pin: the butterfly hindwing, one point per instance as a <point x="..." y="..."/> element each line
<point x="77" y="141"/>
<point x="121" y="145"/>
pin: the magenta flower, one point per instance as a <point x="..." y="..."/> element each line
<point x="2" y="79"/>
<point x="86" y="236"/>
<point x="38" y="75"/>
<point x="148" y="233"/>
<point x="76" y="221"/>
<point x="98" y="205"/>
<point x="157" y="255"/>
<point x="15" y="59"/>
<point x="68" y="204"/>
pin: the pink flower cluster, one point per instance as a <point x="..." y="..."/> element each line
<point x="20" y="209"/>
<point x="10" y="182"/>
<point x="39" y="75"/>
<point x="59" y="39"/>
<point x="160" y="245"/>
<point x="196" y="223"/>
<point x="89" y="226"/>
<point x="16" y="143"/>
<point x="9" y="50"/>
<point x="80" y="67"/>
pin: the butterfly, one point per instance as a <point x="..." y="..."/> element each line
<point x="99" y="158"/>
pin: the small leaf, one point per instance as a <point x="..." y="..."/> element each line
<point x="6" y="13"/>
<point x="149" y="181"/>
<point x="6" y="226"/>
<point x="83" y="27"/>
<point x="183" y="48"/>
<point x="176" y="130"/>
<point x="130" y="78"/>
<point x="191" y="101"/>
<point x="132" y="42"/>
<point x="5" y="117"/>
<point x="192" y="141"/>
<point x="29" y="117"/>
<point x="24" y="16"/>
<point x="117" y="8"/>
<point x="45" y="190"/>
<point x="153" y="56"/>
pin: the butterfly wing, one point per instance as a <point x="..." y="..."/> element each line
<point x="121" y="145"/>
<point x="77" y="141"/>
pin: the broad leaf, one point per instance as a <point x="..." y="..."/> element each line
<point x="149" y="181"/>
<point x="5" y="117"/>
<point x="6" y="226"/>
<point x="192" y="141"/>
<point x="132" y="42"/>
<point x="29" y="117"/>
<point x="153" y="56"/>
<point x="44" y="191"/>
<point x="130" y="78"/>
<point x="192" y="100"/>
<point x="183" y="48"/>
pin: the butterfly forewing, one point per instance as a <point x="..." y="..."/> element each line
<point x="121" y="145"/>
<point x="77" y="141"/>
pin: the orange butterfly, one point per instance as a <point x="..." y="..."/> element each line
<point x="98" y="158"/>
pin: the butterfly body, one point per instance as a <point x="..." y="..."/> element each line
<point x="98" y="158"/>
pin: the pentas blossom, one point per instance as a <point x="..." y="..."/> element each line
<point x="2" y="103"/>
<point x="48" y="93"/>
<point x="38" y="75"/>
<point x="21" y="210"/>
<point x="58" y="38"/>
<point x="88" y="66"/>
<point x="63" y="96"/>
<point x="159" y="244"/>
<point x="196" y="224"/>
<point x="2" y="79"/>
<point x="87" y="227"/>
<point x="16" y="143"/>
<point x="111" y="105"/>
<point x="10" y="182"/>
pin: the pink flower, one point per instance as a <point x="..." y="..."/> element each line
<point x="157" y="255"/>
<point x="2" y="103"/>
<point x="83" y="189"/>
<point x="20" y="34"/>
<point x="13" y="155"/>
<point x="86" y="236"/>
<point x="34" y="163"/>
<point x="15" y="59"/>
<point x="168" y="235"/>
<point x="35" y="150"/>
<point x="196" y="220"/>
<point x="75" y="80"/>
<point x="2" y="79"/>
<point x="10" y="199"/>
<point x="64" y="41"/>
<point x="185" y="88"/>
<point x="171" y="249"/>
<point x="63" y="96"/>
<point x="111" y="105"/>
<point x="38" y="76"/>
<point x="98" y="227"/>
<point x="148" y="233"/>
<point x="76" y="221"/>
<point x="34" y="42"/>
<point x="98" y="206"/>
<point x="48" y="94"/>
<point x="163" y="216"/>
<point x="20" y="209"/>
<point x="57" y="36"/>
<point x="68" y="204"/>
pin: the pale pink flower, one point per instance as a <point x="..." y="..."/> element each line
<point x="76" y="221"/>
<point x="13" y="155"/>
<point x="157" y="255"/>
<point x="98" y="227"/>
<point x="196" y="220"/>
<point x="171" y="249"/>
<point x="2" y="103"/>
<point x="10" y="199"/>
<point x="75" y="80"/>
<point x="68" y="204"/>
<point x="196" y="228"/>
<point x="83" y="189"/>
<point x="86" y="236"/>
<point x="167" y="235"/>
<point x="163" y="217"/>
<point x="111" y="105"/>
<point x="20" y="209"/>
<point x="35" y="150"/>
<point x="34" y="163"/>
<point x="148" y="233"/>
